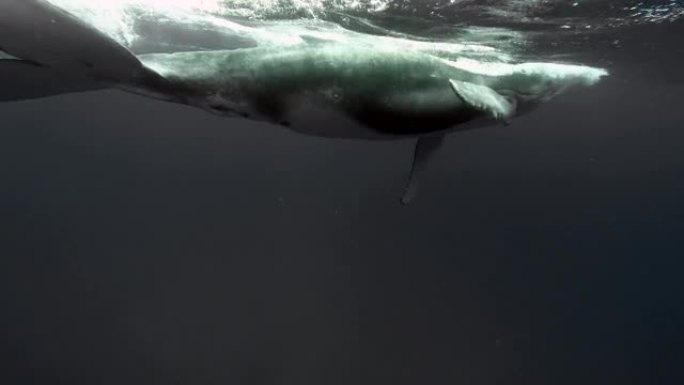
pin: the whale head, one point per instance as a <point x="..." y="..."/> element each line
<point x="532" y="84"/>
<point x="527" y="85"/>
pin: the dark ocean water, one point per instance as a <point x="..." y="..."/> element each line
<point x="147" y="243"/>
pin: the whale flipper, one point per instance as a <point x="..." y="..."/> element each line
<point x="484" y="99"/>
<point x="424" y="151"/>
<point x="22" y="80"/>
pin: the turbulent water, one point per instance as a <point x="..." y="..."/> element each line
<point x="638" y="35"/>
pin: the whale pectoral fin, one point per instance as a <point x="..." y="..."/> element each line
<point x="22" y="80"/>
<point x="424" y="151"/>
<point x="484" y="99"/>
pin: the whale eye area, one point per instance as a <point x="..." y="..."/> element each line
<point x="333" y="94"/>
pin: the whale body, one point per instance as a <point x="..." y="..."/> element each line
<point x="362" y="91"/>
<point x="323" y="88"/>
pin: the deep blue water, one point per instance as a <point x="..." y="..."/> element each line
<point x="147" y="243"/>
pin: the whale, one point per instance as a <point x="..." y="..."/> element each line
<point x="363" y="91"/>
<point x="335" y="89"/>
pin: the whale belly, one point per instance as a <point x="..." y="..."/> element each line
<point x="384" y="115"/>
<point x="315" y="119"/>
